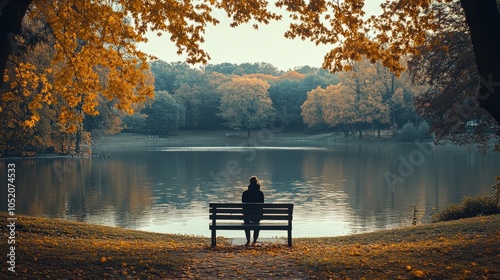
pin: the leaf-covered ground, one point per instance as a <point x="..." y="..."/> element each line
<point x="56" y="249"/>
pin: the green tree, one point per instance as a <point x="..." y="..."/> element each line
<point x="166" y="74"/>
<point x="135" y="122"/>
<point x="287" y="96"/>
<point x="289" y="92"/>
<point x="110" y="30"/>
<point x="107" y="122"/>
<point x="198" y="92"/>
<point x="164" y="114"/>
<point x="245" y="103"/>
<point x="243" y="68"/>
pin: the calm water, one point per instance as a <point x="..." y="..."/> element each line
<point x="337" y="190"/>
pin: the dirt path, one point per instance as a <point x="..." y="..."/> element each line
<point x="264" y="261"/>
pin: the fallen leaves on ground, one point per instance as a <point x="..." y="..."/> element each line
<point x="50" y="248"/>
<point x="465" y="249"/>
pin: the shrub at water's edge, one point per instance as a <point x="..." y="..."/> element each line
<point x="411" y="133"/>
<point x="469" y="207"/>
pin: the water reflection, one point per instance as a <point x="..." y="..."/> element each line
<point x="336" y="190"/>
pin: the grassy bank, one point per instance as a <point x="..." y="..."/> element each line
<point x="463" y="249"/>
<point x="70" y="250"/>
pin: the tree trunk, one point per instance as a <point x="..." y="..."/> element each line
<point x="78" y="141"/>
<point x="483" y="19"/>
<point x="345" y="130"/>
<point x="352" y="132"/>
<point x="11" y="17"/>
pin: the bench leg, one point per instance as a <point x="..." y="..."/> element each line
<point x="289" y="238"/>
<point x="214" y="239"/>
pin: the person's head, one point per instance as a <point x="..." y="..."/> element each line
<point x="254" y="180"/>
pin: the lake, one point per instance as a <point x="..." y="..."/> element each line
<point x="337" y="189"/>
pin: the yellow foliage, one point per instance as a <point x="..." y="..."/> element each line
<point x="398" y="30"/>
<point x="367" y="93"/>
<point x="418" y="273"/>
<point x="89" y="38"/>
<point x="245" y="102"/>
<point x="293" y="75"/>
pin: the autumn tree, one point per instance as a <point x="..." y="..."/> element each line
<point x="17" y="131"/>
<point x="312" y="108"/>
<point x="446" y="63"/>
<point x="14" y="134"/>
<point x="87" y="35"/>
<point x="245" y="103"/>
<point x="368" y="101"/>
<point x="368" y="94"/>
<point x="339" y="107"/>
<point x="397" y="92"/>
<point x="400" y="30"/>
<point x="103" y="32"/>
<point x="333" y="105"/>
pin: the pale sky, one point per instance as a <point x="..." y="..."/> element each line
<point x="245" y="44"/>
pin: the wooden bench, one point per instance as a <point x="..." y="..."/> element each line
<point x="279" y="216"/>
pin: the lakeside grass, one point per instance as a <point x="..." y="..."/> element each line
<point x="53" y="248"/>
<point x="62" y="249"/>
<point x="460" y="249"/>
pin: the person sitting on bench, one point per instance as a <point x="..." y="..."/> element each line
<point x="252" y="195"/>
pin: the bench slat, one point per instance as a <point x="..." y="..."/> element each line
<point x="242" y="226"/>
<point x="239" y="205"/>
<point x="252" y="217"/>
<point x="240" y="211"/>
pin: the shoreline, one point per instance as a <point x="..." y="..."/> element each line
<point x="218" y="138"/>
<point x="212" y="138"/>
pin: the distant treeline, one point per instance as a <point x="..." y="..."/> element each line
<point x="255" y="95"/>
<point x="229" y="96"/>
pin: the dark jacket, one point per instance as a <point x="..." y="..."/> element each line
<point x="252" y="195"/>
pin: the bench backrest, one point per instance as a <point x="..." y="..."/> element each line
<point x="252" y="211"/>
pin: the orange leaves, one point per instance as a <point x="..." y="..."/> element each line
<point x="292" y="75"/>
<point x="418" y="273"/>
<point x="399" y="30"/>
<point x="367" y="93"/>
<point x="28" y="86"/>
<point x="8" y="97"/>
<point x="85" y="38"/>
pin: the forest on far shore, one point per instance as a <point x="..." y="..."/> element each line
<point x="242" y="96"/>
<point x="69" y="78"/>
<point x="253" y="96"/>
